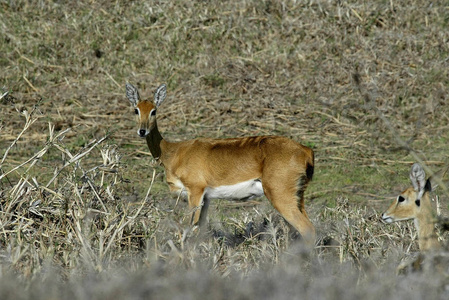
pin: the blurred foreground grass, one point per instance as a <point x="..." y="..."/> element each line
<point x="88" y="215"/>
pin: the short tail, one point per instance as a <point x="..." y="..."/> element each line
<point x="304" y="180"/>
<point x="310" y="165"/>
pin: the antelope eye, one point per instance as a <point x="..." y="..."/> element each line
<point x="153" y="112"/>
<point x="136" y="111"/>
<point x="401" y="199"/>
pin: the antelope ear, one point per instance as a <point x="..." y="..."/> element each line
<point x="436" y="179"/>
<point x="429" y="185"/>
<point x="160" y="94"/>
<point x="132" y="93"/>
<point x="418" y="177"/>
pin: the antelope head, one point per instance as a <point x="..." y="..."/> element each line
<point x="408" y="204"/>
<point x="145" y="109"/>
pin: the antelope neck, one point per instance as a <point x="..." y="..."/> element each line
<point x="426" y="231"/>
<point x="154" y="139"/>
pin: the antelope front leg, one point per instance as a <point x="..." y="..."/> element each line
<point x="198" y="205"/>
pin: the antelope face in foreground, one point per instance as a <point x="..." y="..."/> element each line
<point x="408" y="204"/>
<point x="414" y="203"/>
<point x="235" y="168"/>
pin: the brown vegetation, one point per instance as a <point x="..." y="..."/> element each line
<point x="84" y="211"/>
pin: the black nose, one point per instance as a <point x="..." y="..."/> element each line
<point x="142" y="132"/>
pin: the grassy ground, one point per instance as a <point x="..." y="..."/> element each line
<point x="85" y="210"/>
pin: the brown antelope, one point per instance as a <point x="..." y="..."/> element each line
<point x="234" y="168"/>
<point x="414" y="203"/>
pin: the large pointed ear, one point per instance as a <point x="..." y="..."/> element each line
<point x="132" y="93"/>
<point x="160" y="94"/>
<point x="436" y="179"/>
<point x="418" y="178"/>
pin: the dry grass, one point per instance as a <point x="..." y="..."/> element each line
<point x="85" y="212"/>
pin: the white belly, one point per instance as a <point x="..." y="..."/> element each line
<point x="177" y="186"/>
<point x="240" y="191"/>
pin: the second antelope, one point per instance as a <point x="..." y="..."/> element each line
<point x="414" y="203"/>
<point x="235" y="168"/>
